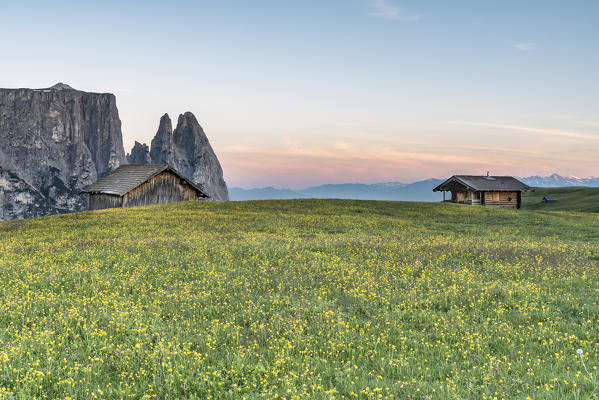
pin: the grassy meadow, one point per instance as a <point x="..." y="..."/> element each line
<point x="575" y="198"/>
<point x="320" y="299"/>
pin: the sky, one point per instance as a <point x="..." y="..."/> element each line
<point x="299" y="93"/>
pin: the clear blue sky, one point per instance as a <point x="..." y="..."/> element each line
<point x="294" y="93"/>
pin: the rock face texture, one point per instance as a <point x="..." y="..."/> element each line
<point x="53" y="142"/>
<point x="140" y="154"/>
<point x="188" y="150"/>
<point x="162" y="150"/>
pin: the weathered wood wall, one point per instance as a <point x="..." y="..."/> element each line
<point x="99" y="201"/>
<point x="496" y="199"/>
<point x="501" y="199"/>
<point x="163" y="188"/>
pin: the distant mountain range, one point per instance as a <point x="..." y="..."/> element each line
<point x="556" y="180"/>
<point x="417" y="191"/>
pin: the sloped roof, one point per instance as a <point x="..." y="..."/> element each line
<point x="480" y="183"/>
<point x="125" y="178"/>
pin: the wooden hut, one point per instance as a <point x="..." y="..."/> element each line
<point x="498" y="191"/>
<point x="139" y="184"/>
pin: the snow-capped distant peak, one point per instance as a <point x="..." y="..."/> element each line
<point x="556" y="180"/>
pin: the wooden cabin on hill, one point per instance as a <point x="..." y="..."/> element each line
<point x="498" y="191"/>
<point x="141" y="184"/>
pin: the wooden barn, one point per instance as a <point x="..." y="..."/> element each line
<point x="140" y="184"/>
<point x="498" y="191"/>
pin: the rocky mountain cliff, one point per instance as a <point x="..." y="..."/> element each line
<point x="188" y="150"/>
<point x="55" y="141"/>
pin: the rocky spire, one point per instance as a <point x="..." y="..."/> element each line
<point x="197" y="158"/>
<point x="140" y="154"/>
<point x="162" y="144"/>
<point x="188" y="150"/>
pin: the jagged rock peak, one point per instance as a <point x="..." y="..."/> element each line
<point x="187" y="118"/>
<point x="140" y="154"/>
<point x="189" y="134"/>
<point x="188" y="150"/>
<point x="61" y="86"/>
<point x="162" y="144"/>
<point x="165" y="126"/>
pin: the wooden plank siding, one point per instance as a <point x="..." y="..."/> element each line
<point x="100" y="201"/>
<point x="490" y="198"/>
<point x="502" y="199"/>
<point x="162" y="188"/>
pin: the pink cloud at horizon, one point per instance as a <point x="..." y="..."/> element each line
<point x="299" y="166"/>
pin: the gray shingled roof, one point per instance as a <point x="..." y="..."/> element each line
<point x="127" y="177"/>
<point x="479" y="183"/>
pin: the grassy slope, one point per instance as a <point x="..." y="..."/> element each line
<point x="583" y="199"/>
<point x="304" y="298"/>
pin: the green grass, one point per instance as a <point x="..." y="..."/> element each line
<point x="323" y="299"/>
<point x="583" y="199"/>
